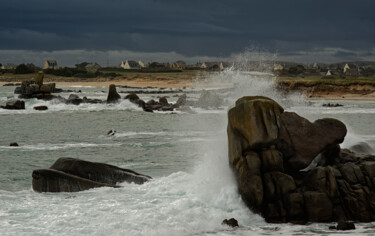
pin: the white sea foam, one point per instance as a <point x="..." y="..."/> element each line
<point x="57" y="146"/>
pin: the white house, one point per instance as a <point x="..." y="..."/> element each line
<point x="329" y="72"/>
<point x="142" y="64"/>
<point x="128" y="65"/>
<point x="50" y="64"/>
<point x="278" y="67"/>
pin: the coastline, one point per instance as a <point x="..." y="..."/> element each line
<point x="339" y="92"/>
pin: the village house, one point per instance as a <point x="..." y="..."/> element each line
<point x="92" y="66"/>
<point x="142" y="64"/>
<point x="8" y="66"/>
<point x="351" y="70"/>
<point x="212" y="65"/>
<point x="128" y="65"/>
<point x="278" y="67"/>
<point x="50" y="64"/>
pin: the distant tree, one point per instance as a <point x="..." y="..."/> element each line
<point x="156" y="65"/>
<point x="23" y="69"/>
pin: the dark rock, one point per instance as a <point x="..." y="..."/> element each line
<point x="49" y="180"/>
<point x="111" y="132"/>
<point x="71" y="175"/>
<point x="13" y="144"/>
<point x="310" y="139"/>
<point x="113" y="96"/>
<point x="319" y="207"/>
<point x="231" y="222"/>
<point x="15" y="105"/>
<point x="267" y="150"/>
<point x="99" y="172"/>
<point x="92" y="101"/>
<point x="74" y="99"/>
<point x="163" y="101"/>
<point x="40" y="108"/>
<point x="345" y="225"/>
<point x="332" y="105"/>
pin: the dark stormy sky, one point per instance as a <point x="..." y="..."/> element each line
<point x="73" y="31"/>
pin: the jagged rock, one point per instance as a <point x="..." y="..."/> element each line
<point x="92" y="101"/>
<point x="113" y="96"/>
<point x="13" y="144"/>
<point x="70" y="175"/>
<point x="15" y="105"/>
<point x="163" y="101"/>
<point x="40" y="108"/>
<point x="231" y="222"/>
<point x="267" y="149"/>
<point x="74" y="99"/>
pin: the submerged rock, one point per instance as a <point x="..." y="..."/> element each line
<point x="268" y="149"/>
<point x="231" y="222"/>
<point x="40" y="108"/>
<point x="15" y="105"/>
<point x="70" y="175"/>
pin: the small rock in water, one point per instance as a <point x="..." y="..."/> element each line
<point x="41" y="108"/>
<point x="231" y="222"/>
<point x="111" y="132"/>
<point x="332" y="105"/>
<point x="345" y="225"/>
<point x="13" y="144"/>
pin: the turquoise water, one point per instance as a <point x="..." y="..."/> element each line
<point x="192" y="189"/>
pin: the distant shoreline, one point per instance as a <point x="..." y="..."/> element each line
<point x="313" y="87"/>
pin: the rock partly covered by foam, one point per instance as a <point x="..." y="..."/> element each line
<point x="267" y="150"/>
<point x="72" y="175"/>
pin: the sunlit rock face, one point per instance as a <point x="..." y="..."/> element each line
<point x="269" y="150"/>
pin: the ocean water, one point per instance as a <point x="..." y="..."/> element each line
<point x="193" y="189"/>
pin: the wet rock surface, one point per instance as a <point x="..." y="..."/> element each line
<point x="14" y="105"/>
<point x="72" y="175"/>
<point x="269" y="150"/>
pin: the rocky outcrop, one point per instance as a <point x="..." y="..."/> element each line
<point x="113" y="96"/>
<point x="40" y="108"/>
<point x="269" y="150"/>
<point x="15" y="105"/>
<point x="71" y="175"/>
<point x="152" y="105"/>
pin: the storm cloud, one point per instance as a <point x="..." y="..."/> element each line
<point x="189" y="29"/>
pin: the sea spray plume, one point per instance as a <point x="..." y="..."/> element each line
<point x="250" y="74"/>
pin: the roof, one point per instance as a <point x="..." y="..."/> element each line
<point x="133" y="64"/>
<point x="51" y="62"/>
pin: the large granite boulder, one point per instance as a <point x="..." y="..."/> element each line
<point x="269" y="150"/>
<point x="71" y="175"/>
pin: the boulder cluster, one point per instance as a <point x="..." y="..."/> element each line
<point x="291" y="170"/>
<point x="73" y="175"/>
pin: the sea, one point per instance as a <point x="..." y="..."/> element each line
<point x="192" y="188"/>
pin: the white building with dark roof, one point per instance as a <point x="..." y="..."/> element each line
<point x="50" y="64"/>
<point x="128" y="65"/>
